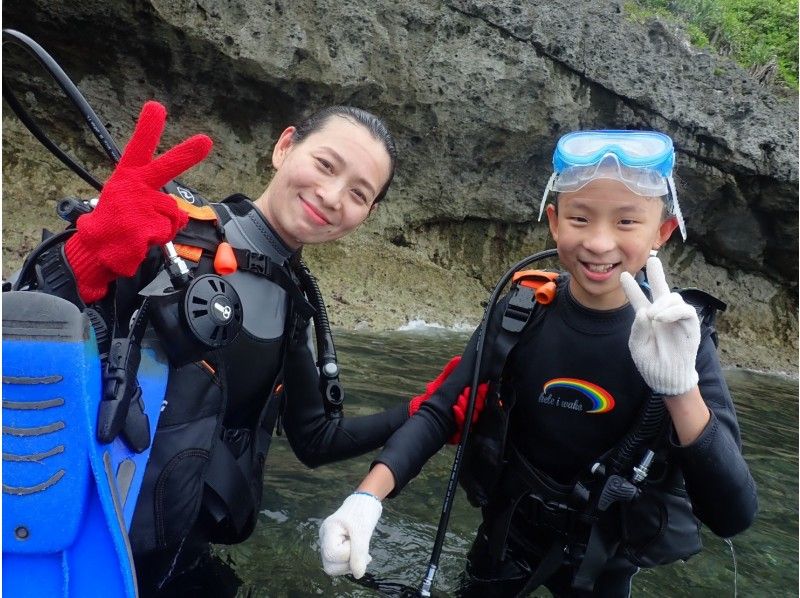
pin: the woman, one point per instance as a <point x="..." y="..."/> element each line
<point x="204" y="477"/>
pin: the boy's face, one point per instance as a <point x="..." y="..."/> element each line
<point x="601" y="231"/>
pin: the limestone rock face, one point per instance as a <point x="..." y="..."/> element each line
<point x="476" y="93"/>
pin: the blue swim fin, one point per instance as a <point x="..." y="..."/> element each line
<point x="67" y="499"/>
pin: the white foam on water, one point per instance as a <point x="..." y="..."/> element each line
<point x="420" y="325"/>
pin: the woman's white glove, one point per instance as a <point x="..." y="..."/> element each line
<point x="344" y="536"/>
<point x="665" y="334"/>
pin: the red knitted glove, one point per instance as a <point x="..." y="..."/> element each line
<point x="133" y="213"/>
<point x="460" y="407"/>
<point x="432" y="387"/>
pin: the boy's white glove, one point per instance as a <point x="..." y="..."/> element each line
<point x="665" y="334"/>
<point x="344" y="536"/>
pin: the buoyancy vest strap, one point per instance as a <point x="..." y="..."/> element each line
<point x="549" y="564"/>
<point x="521" y="480"/>
<point x="195" y="211"/>
<point x="599" y="550"/>
<point x="260" y="265"/>
<point x="522" y="312"/>
<point x="199" y="234"/>
<point x="226" y="478"/>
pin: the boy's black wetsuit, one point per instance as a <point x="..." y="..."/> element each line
<point x="577" y="392"/>
<point x="216" y="425"/>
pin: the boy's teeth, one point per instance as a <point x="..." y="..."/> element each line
<point x="600" y="268"/>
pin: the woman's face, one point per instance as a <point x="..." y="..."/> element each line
<point x="324" y="186"/>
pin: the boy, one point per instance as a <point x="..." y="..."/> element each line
<point x="564" y="511"/>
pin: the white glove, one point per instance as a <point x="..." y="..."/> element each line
<point x="344" y="536"/>
<point x="665" y="334"/>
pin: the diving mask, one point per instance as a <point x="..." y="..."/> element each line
<point x="641" y="160"/>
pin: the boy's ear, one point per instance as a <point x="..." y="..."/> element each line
<point x="552" y="220"/>
<point x="282" y="147"/>
<point x="666" y="229"/>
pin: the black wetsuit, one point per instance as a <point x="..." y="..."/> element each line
<point x="577" y="393"/>
<point x="220" y="406"/>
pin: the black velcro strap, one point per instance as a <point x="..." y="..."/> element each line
<point x="598" y="551"/>
<point x="522" y="313"/>
<point x="226" y="478"/>
<point x="261" y="265"/>
<point x="200" y="233"/>
<point x="550" y="562"/>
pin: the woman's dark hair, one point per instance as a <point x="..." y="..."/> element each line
<point x="357" y="116"/>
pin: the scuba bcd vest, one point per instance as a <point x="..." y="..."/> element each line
<point x="209" y="456"/>
<point x="632" y="502"/>
<point x="199" y="457"/>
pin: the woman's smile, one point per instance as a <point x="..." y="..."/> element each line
<point x="315" y="214"/>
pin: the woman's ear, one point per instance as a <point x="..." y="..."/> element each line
<point x="552" y="220"/>
<point x="282" y="147"/>
<point x="665" y="230"/>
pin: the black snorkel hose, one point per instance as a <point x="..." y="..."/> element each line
<point x="455" y="472"/>
<point x="75" y="96"/>
<point x="101" y="134"/>
<point x="329" y="386"/>
<point x="179" y="273"/>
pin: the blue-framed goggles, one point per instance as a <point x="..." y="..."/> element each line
<point x="641" y="160"/>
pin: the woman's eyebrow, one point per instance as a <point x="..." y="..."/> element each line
<point x="338" y="158"/>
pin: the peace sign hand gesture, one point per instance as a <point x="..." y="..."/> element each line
<point x="665" y="334"/>
<point x="133" y="214"/>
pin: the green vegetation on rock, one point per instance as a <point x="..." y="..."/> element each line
<point x="760" y="35"/>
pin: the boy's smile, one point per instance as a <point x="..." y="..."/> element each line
<point x="602" y="230"/>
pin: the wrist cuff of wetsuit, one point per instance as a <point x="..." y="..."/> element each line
<point x="700" y="443"/>
<point x="365" y="493"/>
<point x="91" y="276"/>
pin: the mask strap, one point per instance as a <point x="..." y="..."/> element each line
<point x="547" y="190"/>
<point x="676" y="208"/>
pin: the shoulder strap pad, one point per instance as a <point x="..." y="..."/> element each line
<point x="196" y="212"/>
<point x="707" y="307"/>
<point x="190" y="201"/>
<point x="203" y="232"/>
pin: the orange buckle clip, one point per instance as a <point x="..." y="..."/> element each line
<point x="542" y="282"/>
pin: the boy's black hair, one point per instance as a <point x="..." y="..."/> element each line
<point x="375" y="125"/>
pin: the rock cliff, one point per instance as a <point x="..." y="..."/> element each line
<point x="476" y="94"/>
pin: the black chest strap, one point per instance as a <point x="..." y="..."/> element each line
<point x="208" y="235"/>
<point x="261" y="265"/>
